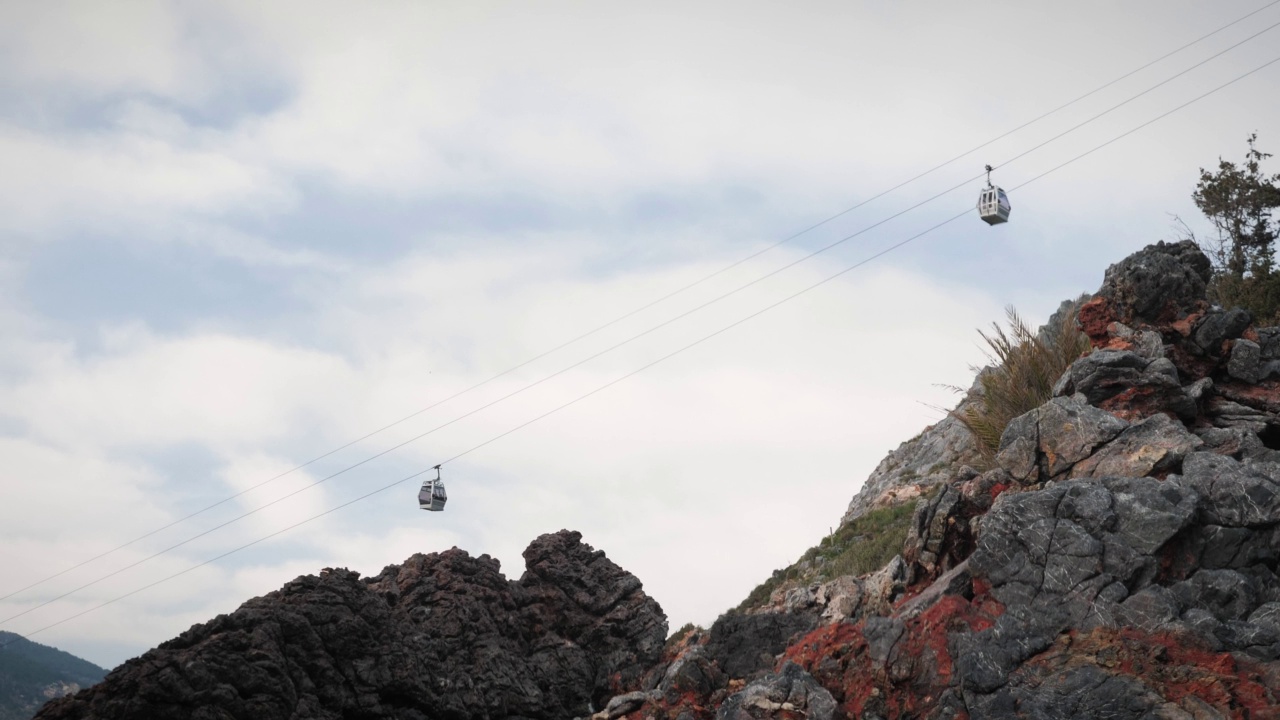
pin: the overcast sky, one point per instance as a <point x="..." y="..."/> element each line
<point x="236" y="236"/>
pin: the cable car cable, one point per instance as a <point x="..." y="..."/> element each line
<point x="1167" y="80"/>
<point x="624" y="342"/>
<point x="642" y="308"/>
<point x="668" y="356"/>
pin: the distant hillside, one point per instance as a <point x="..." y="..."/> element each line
<point x="31" y="674"/>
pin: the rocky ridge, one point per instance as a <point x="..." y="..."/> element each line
<point x="443" y="635"/>
<point x="1118" y="560"/>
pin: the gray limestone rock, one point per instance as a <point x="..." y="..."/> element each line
<point x="929" y="528"/>
<point x="1236" y="494"/>
<point x="1104" y="373"/>
<point x="1155" y="445"/>
<point x="744" y="645"/>
<point x="1199" y="390"/>
<point x="1245" y="362"/>
<point x="1046" y="442"/>
<point x="1269" y="342"/>
<point x="1226" y="413"/>
<point x="1152" y="608"/>
<point x="985" y="659"/>
<point x="1236" y="442"/>
<point x="691" y="673"/>
<point x="1226" y="594"/>
<point x="1267" y="615"/>
<point x="789" y="693"/>
<point x="1217" y="327"/>
<point x="1081" y="692"/>
<point x="930" y="458"/>
<point x="1148" y="512"/>
<point x="956" y="581"/>
<point x="1059" y="547"/>
<point x="1147" y="344"/>
<point x="622" y="704"/>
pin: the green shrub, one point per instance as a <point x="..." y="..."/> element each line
<point x="1025" y="365"/>
<point x="681" y="634"/>
<point x="861" y="546"/>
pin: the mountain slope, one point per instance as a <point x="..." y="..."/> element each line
<point x="32" y="674"/>
<point x="1120" y="559"/>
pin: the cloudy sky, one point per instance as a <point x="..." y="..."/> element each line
<point x="237" y="236"/>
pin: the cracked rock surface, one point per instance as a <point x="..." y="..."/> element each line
<point x="443" y="635"/>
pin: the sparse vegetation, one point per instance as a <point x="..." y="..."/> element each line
<point x="760" y="595"/>
<point x="865" y="544"/>
<point x="861" y="546"/>
<point x="1025" y="365"/>
<point x="1239" y="200"/>
<point x="681" y="634"/>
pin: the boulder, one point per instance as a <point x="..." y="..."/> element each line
<point x="1046" y="442"/>
<point x="1128" y="384"/>
<point x="1211" y="333"/>
<point x="1246" y="361"/>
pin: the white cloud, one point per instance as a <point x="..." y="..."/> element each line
<point x="97" y="49"/>
<point x="148" y="391"/>
<point x="121" y="182"/>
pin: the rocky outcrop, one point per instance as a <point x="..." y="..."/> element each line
<point x="1162" y="283"/>
<point x="441" y="635"/>
<point x="929" y="459"/>
<point x="1120" y="560"/>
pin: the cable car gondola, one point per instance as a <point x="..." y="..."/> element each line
<point x="993" y="203"/>
<point x="432" y="495"/>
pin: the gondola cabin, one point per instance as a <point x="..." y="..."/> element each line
<point x="993" y="205"/>
<point x="432" y="495"/>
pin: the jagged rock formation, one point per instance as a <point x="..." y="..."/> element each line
<point x="443" y="635"/>
<point x="1119" y="559"/>
<point x="31" y="674"/>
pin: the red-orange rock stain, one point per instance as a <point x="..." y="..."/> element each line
<point x="1170" y="664"/>
<point x="836" y="655"/>
<point x="1094" y="318"/>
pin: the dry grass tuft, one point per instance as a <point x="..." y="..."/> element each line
<point x="1025" y="365"/>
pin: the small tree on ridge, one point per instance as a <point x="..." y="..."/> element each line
<point x="1239" y="200"/>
